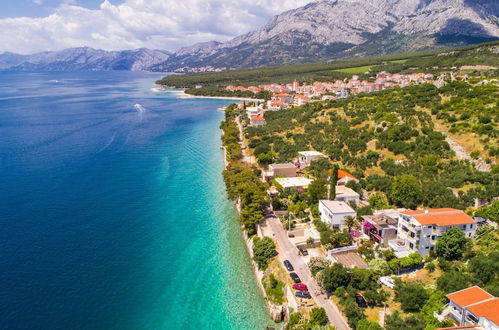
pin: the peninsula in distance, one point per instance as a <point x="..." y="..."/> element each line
<point x="249" y="165"/>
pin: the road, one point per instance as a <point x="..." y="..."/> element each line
<point x="289" y="252"/>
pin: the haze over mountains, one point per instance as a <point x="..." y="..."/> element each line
<point x="319" y="31"/>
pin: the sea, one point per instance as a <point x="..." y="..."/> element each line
<point x="113" y="212"/>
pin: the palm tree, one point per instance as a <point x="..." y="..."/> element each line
<point x="350" y="222"/>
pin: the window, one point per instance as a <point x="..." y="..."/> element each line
<point x="433" y="237"/>
<point x="469" y="234"/>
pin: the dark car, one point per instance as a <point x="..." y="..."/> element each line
<point x="288" y="265"/>
<point x="361" y="302"/>
<point x="303" y="251"/>
<point x="303" y="294"/>
<point x="295" y="277"/>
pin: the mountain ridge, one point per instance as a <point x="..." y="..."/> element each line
<point x="84" y="58"/>
<point x="319" y="31"/>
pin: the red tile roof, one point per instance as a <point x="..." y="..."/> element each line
<point x="257" y="118"/>
<point x="342" y="174"/>
<point x="469" y="296"/>
<point x="488" y="309"/>
<point x="440" y="217"/>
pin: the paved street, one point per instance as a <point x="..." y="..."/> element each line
<point x="290" y="253"/>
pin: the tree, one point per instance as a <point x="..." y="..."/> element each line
<point x="378" y="201"/>
<point x="317" y="190"/>
<point x="406" y="191"/>
<point x="368" y="325"/>
<point x="333" y="180"/>
<point x="350" y="222"/>
<point x="263" y="251"/>
<point x="451" y="244"/>
<point x="412" y="295"/>
<point x="376" y="297"/>
<point x="395" y="321"/>
<point x="333" y="277"/>
<point x="485" y="268"/>
<point x="318" y="316"/>
<point x="316" y="264"/>
<point x="453" y="281"/>
<point x="379" y="266"/>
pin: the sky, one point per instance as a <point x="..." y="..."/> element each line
<point x="29" y="26"/>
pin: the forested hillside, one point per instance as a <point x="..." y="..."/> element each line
<point x="388" y="140"/>
<point x="429" y="61"/>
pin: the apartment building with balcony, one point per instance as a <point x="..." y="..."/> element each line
<point x="474" y="306"/>
<point x="420" y="229"/>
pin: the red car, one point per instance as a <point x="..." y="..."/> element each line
<point x="300" y="286"/>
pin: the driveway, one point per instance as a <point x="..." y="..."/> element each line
<point x="290" y="253"/>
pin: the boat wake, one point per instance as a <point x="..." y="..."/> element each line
<point x="140" y="110"/>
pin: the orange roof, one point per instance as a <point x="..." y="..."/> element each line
<point x="281" y="95"/>
<point x="277" y="104"/>
<point x="342" y="174"/>
<point x="440" y="217"/>
<point x="488" y="309"/>
<point x="257" y="118"/>
<point x="469" y="296"/>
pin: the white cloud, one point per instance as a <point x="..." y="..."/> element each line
<point x="161" y="24"/>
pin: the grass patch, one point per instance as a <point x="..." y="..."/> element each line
<point x="358" y="69"/>
<point x="398" y="61"/>
<point x="274" y="288"/>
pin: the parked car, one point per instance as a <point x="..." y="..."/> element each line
<point x="303" y="251"/>
<point x="288" y="265"/>
<point x="300" y="287"/>
<point x="361" y="302"/>
<point x="295" y="277"/>
<point x="303" y="294"/>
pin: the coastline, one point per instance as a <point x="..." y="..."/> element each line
<point x="182" y="94"/>
<point x="277" y="313"/>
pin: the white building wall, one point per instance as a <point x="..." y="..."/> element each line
<point x="333" y="219"/>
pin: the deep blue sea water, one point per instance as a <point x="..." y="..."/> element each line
<point x="113" y="213"/>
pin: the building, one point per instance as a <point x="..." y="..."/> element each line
<point x="257" y="121"/>
<point x="474" y="306"/>
<point x="306" y="157"/>
<point x="293" y="182"/>
<point x="254" y="111"/>
<point x="300" y="100"/>
<point x="380" y="228"/>
<point x="421" y="229"/>
<point x="285" y="170"/>
<point x="346" y="194"/>
<point x="344" y="177"/>
<point x="334" y="213"/>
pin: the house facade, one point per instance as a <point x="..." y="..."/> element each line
<point x="474" y="306"/>
<point x="334" y="213"/>
<point x="380" y="228"/>
<point x="345" y="194"/>
<point x="284" y="170"/>
<point x="421" y="229"/>
<point x="306" y="157"/>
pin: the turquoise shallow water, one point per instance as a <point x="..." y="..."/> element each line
<point x="113" y="210"/>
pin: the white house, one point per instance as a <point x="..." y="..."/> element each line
<point x="346" y="194"/>
<point x="306" y="157"/>
<point x="334" y="213"/>
<point x="473" y="306"/>
<point x="421" y="229"/>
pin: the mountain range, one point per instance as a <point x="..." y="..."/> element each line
<point x="319" y="31"/>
